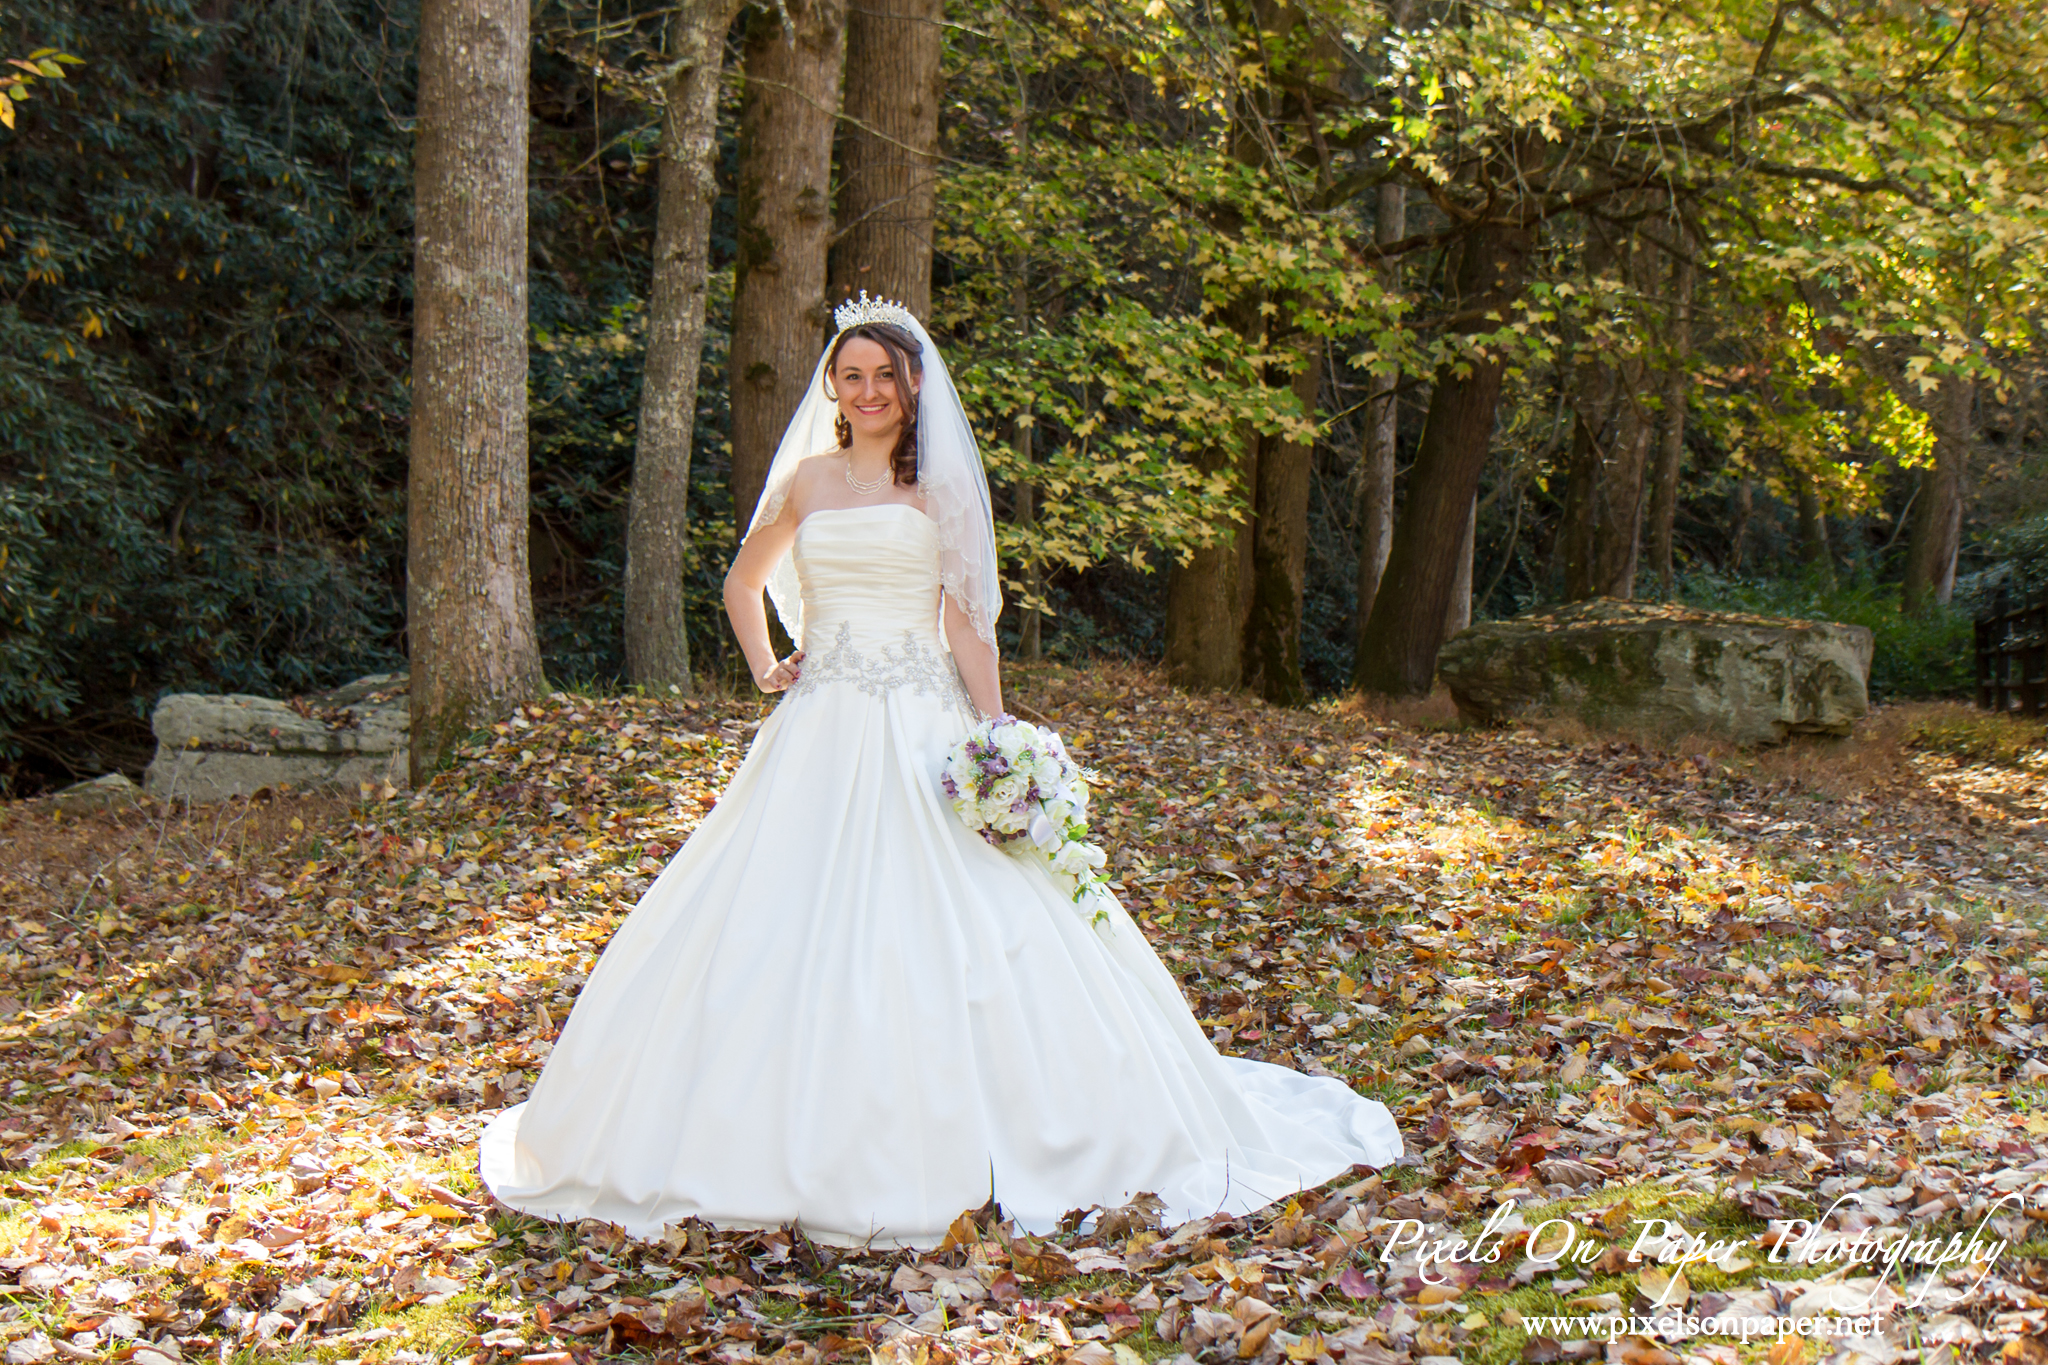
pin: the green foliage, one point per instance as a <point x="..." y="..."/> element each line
<point x="584" y="388"/>
<point x="1928" y="654"/>
<point x="2019" y="566"/>
<point x="205" y="266"/>
<point x="206" y="243"/>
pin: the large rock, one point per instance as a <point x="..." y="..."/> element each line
<point x="105" y="792"/>
<point x="210" y="747"/>
<point x="1665" y="669"/>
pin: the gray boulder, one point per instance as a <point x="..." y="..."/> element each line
<point x="1664" y="669"/>
<point x="105" y="792"/>
<point x="211" y="747"/>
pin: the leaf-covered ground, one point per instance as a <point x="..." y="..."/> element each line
<point x="247" y="1048"/>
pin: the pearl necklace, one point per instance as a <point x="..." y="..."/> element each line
<point x="864" y="488"/>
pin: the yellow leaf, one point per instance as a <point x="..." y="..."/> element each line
<point x="6" y="111"/>
<point x="439" y="1210"/>
<point x="1664" y="1288"/>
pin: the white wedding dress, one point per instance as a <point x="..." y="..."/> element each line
<point x="838" y="1005"/>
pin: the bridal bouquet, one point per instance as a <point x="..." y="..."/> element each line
<point x="1012" y="783"/>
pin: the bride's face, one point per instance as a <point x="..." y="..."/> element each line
<point x="872" y="395"/>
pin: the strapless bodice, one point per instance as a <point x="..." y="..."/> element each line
<point x="873" y="571"/>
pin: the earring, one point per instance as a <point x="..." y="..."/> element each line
<point x="844" y="430"/>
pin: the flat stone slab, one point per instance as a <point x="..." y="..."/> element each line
<point x="211" y="747"/>
<point x="1665" y="669"/>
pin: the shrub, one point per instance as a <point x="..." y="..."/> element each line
<point x="1925" y="655"/>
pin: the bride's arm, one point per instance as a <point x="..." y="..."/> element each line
<point x="759" y="553"/>
<point x="976" y="660"/>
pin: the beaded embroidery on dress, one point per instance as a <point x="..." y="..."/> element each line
<point x="836" y="1005"/>
<point x="905" y="663"/>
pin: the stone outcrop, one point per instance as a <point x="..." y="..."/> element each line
<point x="1664" y="669"/>
<point x="108" y="791"/>
<point x="211" y="747"/>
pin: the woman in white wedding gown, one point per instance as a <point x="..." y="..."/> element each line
<point x="839" y="1006"/>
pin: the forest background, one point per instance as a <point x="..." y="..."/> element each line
<point x="1257" y="307"/>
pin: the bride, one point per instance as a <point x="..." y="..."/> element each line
<point x="839" y="1006"/>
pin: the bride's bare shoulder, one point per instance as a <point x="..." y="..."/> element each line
<point x="809" y="476"/>
<point x="812" y="468"/>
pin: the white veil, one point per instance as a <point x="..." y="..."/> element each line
<point x="949" y="474"/>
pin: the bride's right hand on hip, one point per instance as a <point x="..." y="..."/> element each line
<point x="784" y="674"/>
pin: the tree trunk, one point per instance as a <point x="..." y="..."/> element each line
<point x="1402" y="638"/>
<point x="1204" y="598"/>
<point x="784" y="227"/>
<point x="1272" y="636"/>
<point x="657" y="529"/>
<point x="1937" y="530"/>
<point x="1030" y="629"/>
<point x="888" y="176"/>
<point x="1382" y="437"/>
<point x="1671" y="421"/>
<point x="1738" y="533"/>
<point x="1459" y="617"/>
<point x="1208" y="599"/>
<point x="1813" y="526"/>
<point x="1382" y="413"/>
<point x="469" y="600"/>
<point x="1612" y="428"/>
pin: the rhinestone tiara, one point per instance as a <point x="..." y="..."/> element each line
<point x="854" y="312"/>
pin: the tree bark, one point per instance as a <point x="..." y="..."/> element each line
<point x="1406" y="629"/>
<point x="1272" y="635"/>
<point x="1671" y="421"/>
<point x="1382" y="436"/>
<point x="469" y="601"/>
<point x="1738" y="532"/>
<point x="1937" y="531"/>
<point x="657" y="528"/>
<point x="1204" y="597"/>
<point x="1383" y="417"/>
<point x="1813" y="525"/>
<point x="888" y="176"/>
<point x="1612" y="429"/>
<point x="1459" y="616"/>
<point x="784" y="227"/>
<point x="1208" y="599"/>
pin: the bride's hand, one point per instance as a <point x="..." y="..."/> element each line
<point x="785" y="673"/>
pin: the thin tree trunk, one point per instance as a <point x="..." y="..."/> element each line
<point x="1603" y="512"/>
<point x="1738" y="534"/>
<point x="469" y="600"/>
<point x="1459" y="617"/>
<point x="1813" y="526"/>
<point x="1937" y="531"/>
<point x="1272" y="637"/>
<point x="1208" y="599"/>
<point x="1029" y="630"/>
<point x="1402" y="638"/>
<point x="784" y="226"/>
<point x="1671" y="421"/>
<point x="657" y="526"/>
<point x="1382" y="433"/>
<point x="888" y="176"/>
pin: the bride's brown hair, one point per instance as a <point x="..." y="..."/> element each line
<point x="906" y="358"/>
